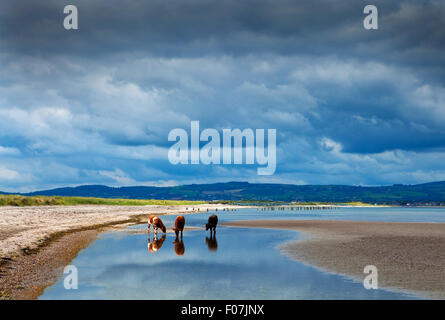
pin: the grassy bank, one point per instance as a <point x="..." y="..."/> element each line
<point x="22" y="201"/>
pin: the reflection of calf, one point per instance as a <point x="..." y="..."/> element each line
<point x="156" y="244"/>
<point x="179" y="226"/>
<point x="211" y="224"/>
<point x="157" y="224"/>
<point x="211" y="242"/>
<point x="179" y="247"/>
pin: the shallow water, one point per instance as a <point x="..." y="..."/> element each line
<point x="240" y="264"/>
<point x="384" y="214"/>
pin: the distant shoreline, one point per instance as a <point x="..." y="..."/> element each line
<point x="428" y="194"/>
<point x="409" y="256"/>
<point x="19" y="200"/>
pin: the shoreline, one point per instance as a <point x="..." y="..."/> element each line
<point x="409" y="256"/>
<point x="36" y="243"/>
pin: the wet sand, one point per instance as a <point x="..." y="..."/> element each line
<point x="409" y="256"/>
<point x="36" y="243"/>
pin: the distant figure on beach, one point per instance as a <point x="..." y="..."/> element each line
<point x="211" y="242"/>
<point x="156" y="244"/>
<point x="211" y="224"/>
<point x="157" y="224"/>
<point x="179" y="246"/>
<point x="179" y="226"/>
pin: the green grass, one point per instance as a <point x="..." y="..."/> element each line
<point x="22" y="201"/>
<point x="359" y="204"/>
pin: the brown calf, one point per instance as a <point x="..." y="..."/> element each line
<point x="157" y="224"/>
<point x="179" y="225"/>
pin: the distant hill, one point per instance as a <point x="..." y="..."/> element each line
<point x="433" y="192"/>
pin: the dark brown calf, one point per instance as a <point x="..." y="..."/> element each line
<point x="179" y="225"/>
<point x="211" y="223"/>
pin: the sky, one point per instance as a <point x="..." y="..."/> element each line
<point x="95" y="105"/>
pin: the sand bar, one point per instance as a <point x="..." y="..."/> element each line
<point x="409" y="256"/>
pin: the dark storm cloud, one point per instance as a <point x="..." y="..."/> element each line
<point x="411" y="29"/>
<point x="96" y="104"/>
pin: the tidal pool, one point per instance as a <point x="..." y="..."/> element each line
<point x="240" y="263"/>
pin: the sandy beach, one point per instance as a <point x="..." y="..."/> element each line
<point x="409" y="256"/>
<point x="37" y="242"/>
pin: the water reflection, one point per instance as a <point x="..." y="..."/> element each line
<point x="211" y="242"/>
<point x="179" y="247"/>
<point x="156" y="244"/>
<point x="246" y="266"/>
<point x="117" y="267"/>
